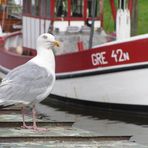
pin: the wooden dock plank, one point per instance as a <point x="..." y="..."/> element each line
<point x="62" y="138"/>
<point x="40" y="123"/>
<point x="59" y="134"/>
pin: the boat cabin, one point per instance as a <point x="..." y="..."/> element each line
<point x="58" y="16"/>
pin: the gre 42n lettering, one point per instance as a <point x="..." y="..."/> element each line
<point x="120" y="56"/>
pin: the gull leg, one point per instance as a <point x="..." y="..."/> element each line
<point x="23" y="116"/>
<point x="24" y="123"/>
<point x="34" y="121"/>
<point x="34" y="126"/>
<point x="34" y="117"/>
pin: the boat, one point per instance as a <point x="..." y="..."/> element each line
<point x="10" y="17"/>
<point x="91" y="65"/>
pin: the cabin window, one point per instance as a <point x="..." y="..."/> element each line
<point x="77" y="8"/>
<point x="35" y="7"/>
<point x="26" y="6"/>
<point x="61" y="8"/>
<point x="90" y="8"/>
<point x="45" y="8"/>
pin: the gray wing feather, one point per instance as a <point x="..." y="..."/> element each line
<point x="25" y="84"/>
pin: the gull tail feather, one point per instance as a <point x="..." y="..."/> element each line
<point x="1" y="102"/>
<point x="4" y="104"/>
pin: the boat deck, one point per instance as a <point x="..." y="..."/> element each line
<point x="59" y="134"/>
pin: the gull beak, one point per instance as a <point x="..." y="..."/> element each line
<point x="56" y="43"/>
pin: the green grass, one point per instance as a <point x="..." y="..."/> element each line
<point x="108" y="19"/>
<point x="142" y="17"/>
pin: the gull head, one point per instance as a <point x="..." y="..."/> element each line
<point x="46" y="41"/>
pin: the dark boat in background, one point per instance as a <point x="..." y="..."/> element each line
<point x="10" y="17"/>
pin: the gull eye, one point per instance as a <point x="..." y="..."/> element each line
<point x="45" y="37"/>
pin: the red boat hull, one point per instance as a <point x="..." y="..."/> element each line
<point x="112" y="54"/>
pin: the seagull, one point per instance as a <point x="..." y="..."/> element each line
<point x="31" y="82"/>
